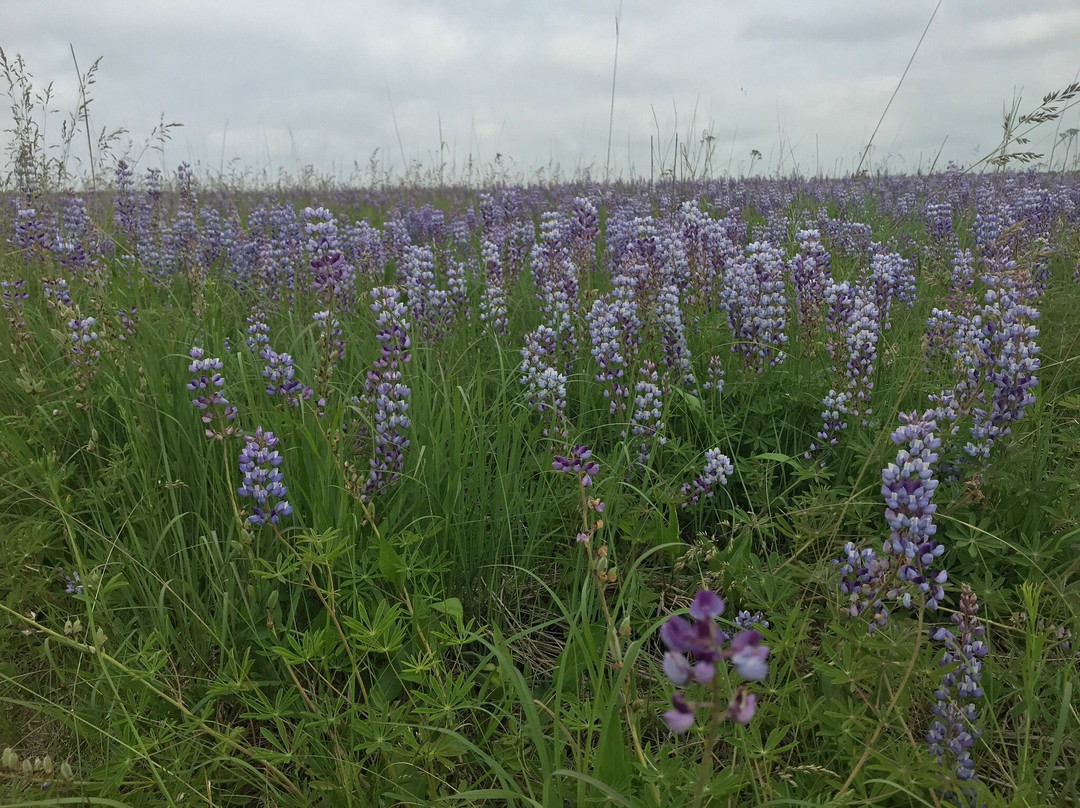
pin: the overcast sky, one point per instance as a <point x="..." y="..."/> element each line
<point x="278" y="84"/>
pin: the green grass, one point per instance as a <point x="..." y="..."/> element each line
<point x="445" y="645"/>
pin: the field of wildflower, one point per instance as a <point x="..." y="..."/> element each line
<point x="758" y="492"/>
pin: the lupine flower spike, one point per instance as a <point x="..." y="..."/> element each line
<point x="704" y="642"/>
<point x="262" y="479"/>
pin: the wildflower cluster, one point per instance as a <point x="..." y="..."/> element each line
<point x="715" y="378"/>
<point x="614" y="333"/>
<point x="13" y="297"/>
<point x="208" y="383"/>
<point x="384" y="391"/>
<point x="493" y="311"/>
<point x="646" y="421"/>
<point x="280" y="375"/>
<point x="953" y="733"/>
<point x="908" y="485"/>
<point x="545" y="384"/>
<point x="717" y="469"/>
<point x="704" y="642"/>
<point x="906" y="564"/>
<point x="128" y="321"/>
<point x="673" y="335"/>
<point x="331" y="352"/>
<point x="581" y="464"/>
<point x="810" y="272"/>
<point x="754" y="296"/>
<point x="262" y="479"/>
<point x="84" y="340"/>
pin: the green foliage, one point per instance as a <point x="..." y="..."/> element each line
<point x="449" y="643"/>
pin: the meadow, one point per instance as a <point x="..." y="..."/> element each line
<point x="758" y="492"/>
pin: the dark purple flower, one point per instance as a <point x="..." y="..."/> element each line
<point x="578" y="463"/>
<point x="742" y="706"/>
<point x="681" y="717"/>
<point x="262" y="479"/>
<point x="749" y="657"/>
<point x="706" y="605"/>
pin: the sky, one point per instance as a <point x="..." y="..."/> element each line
<point x="364" y="89"/>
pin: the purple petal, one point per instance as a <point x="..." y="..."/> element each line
<point x="676" y="668"/>
<point x="677" y="634"/>
<point x="704" y="672"/>
<point x="745" y="639"/>
<point x="678" y="722"/>
<point x="742" y="706"/>
<point x="681" y="718"/>
<point x="751" y="662"/>
<point x="706" y="606"/>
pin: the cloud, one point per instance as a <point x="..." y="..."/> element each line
<point x="284" y="85"/>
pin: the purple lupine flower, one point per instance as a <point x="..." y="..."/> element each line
<point x="126" y="209"/>
<point x="384" y="391"/>
<point x="211" y="237"/>
<point x="861" y="336"/>
<point x="668" y="313"/>
<point x="184" y="231"/>
<point x="128" y="321"/>
<point x="954" y="731"/>
<point x="746" y="620"/>
<point x="834" y="420"/>
<point x="987" y="229"/>
<point x="646" y="420"/>
<point x="583" y="230"/>
<point x="32" y="233"/>
<point x="756" y="303"/>
<point x="996" y="359"/>
<point x="891" y="277"/>
<point x="493" y="311"/>
<point x="57" y="295"/>
<point x="331" y="352"/>
<point x="83" y="341"/>
<point x="854" y="330"/>
<point x="681" y="717"/>
<point x="557" y="289"/>
<point x="578" y="462"/>
<point x="748" y="656"/>
<point x="743" y="705"/>
<point x="74" y="243"/>
<point x="429" y="306"/>
<point x="262" y="478"/>
<point x="150" y="227"/>
<point x="905" y="567"/>
<point x="13" y="297"/>
<point x="363" y="248"/>
<point x="704" y="641"/>
<point x="207" y="381"/>
<point x="614" y="331"/>
<point x="457" y="299"/>
<point x="715" y="378"/>
<point x="908" y="486"/>
<point x="1009" y="333"/>
<point x="331" y="276"/>
<point x="716" y="472"/>
<point x="810" y="273"/>
<point x="863" y="579"/>
<point x="545" y="384"/>
<point x="73" y="584"/>
<point x="943" y="325"/>
<point x="280" y="375"/>
<point x="258" y="332"/>
<point x="939" y="220"/>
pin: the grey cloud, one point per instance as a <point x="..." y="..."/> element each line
<point x="532" y="81"/>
